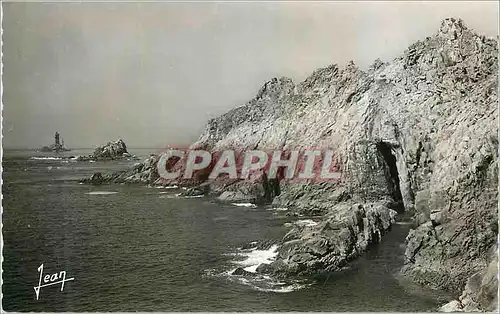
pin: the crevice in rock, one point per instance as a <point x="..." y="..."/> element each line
<point x="385" y="151"/>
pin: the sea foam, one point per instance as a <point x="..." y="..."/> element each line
<point x="100" y="193"/>
<point x="256" y="257"/>
<point x="244" y="205"/>
<point x="46" y="158"/>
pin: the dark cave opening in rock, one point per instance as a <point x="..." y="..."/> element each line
<point x="385" y="151"/>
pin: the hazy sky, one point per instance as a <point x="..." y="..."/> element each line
<point x="153" y="73"/>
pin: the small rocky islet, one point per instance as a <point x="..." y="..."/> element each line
<point x="418" y="134"/>
<point x="111" y="151"/>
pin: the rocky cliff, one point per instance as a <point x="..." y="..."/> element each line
<point x="417" y="134"/>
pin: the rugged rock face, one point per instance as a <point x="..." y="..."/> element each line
<point x="417" y="134"/>
<point x="481" y="291"/>
<point x="420" y="130"/>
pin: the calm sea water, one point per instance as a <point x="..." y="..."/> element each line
<point x="136" y="248"/>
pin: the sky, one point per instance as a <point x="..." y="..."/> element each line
<point x="154" y="73"/>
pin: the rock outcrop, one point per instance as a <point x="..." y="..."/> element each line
<point x="417" y="134"/>
<point x="141" y="172"/>
<point x="342" y="235"/>
<point x="110" y="151"/>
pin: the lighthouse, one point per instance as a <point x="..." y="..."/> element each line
<point x="57" y="144"/>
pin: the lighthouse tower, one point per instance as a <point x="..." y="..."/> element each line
<point x="57" y="143"/>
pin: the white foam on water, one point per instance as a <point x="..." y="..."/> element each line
<point x="306" y="222"/>
<point x="284" y="289"/>
<point x="256" y="257"/>
<point x="278" y="208"/>
<point x="170" y="195"/>
<point x="259" y="282"/>
<point x="163" y="187"/>
<point x="231" y="254"/>
<point x="166" y="187"/>
<point x="46" y="158"/>
<point x="403" y="223"/>
<point x="171" y="187"/>
<point x="100" y="193"/>
<point x="244" y="205"/>
<point x="193" y="196"/>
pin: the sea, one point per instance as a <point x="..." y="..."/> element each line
<point x="140" y="248"/>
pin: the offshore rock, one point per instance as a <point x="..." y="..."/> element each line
<point x="110" y="151"/>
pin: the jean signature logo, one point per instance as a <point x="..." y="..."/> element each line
<point x="50" y="279"/>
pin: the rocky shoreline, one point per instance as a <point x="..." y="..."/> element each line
<point x="418" y="134"/>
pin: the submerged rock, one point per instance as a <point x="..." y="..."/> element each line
<point x="242" y="272"/>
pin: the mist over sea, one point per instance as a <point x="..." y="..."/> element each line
<point x="138" y="248"/>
